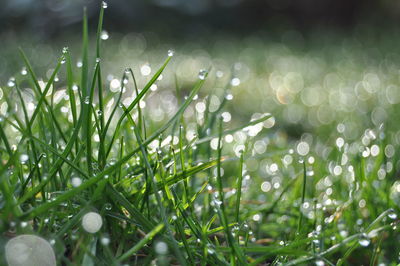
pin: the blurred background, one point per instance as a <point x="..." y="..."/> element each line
<point x="312" y="64"/>
<point x="50" y="18"/>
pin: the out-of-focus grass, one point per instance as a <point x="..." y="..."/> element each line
<point x="167" y="156"/>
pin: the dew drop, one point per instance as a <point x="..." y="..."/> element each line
<point x="104" y="35"/>
<point x="235" y="82"/>
<point x="104" y="4"/>
<point x="76" y="181"/>
<point x="303" y="148"/>
<point x="170" y="53"/>
<point x="364" y="240"/>
<point x="145" y="70"/>
<point x="92" y="222"/>
<point x="24" y="158"/>
<point x="29" y="250"/>
<point x="392" y="214"/>
<point x="87" y="100"/>
<point x="24" y="71"/>
<point x="23" y="224"/>
<point x="229" y="97"/>
<point x="161" y="248"/>
<point x="11" y="82"/>
<point x="202" y="74"/>
<point x="105" y="240"/>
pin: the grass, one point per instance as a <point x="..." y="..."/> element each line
<point x="168" y="196"/>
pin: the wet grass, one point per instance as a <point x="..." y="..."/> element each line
<point x="190" y="188"/>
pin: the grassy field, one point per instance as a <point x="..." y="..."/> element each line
<point x="240" y="152"/>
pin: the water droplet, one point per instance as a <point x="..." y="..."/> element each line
<point x="98" y="60"/>
<point x="104" y="35"/>
<point x="63" y="60"/>
<point x="303" y="148"/>
<point x="105" y="240"/>
<point x="392" y="214"/>
<point x="24" y="71"/>
<point x="23" y="224"/>
<point x="104" y="4"/>
<point x="364" y="240"/>
<point x="161" y="248"/>
<point x="76" y="181"/>
<point x="202" y="74"/>
<point x="11" y="82"/>
<point x="107" y="206"/>
<point x="171" y="53"/>
<point x="210" y="251"/>
<point x="99" y="113"/>
<point x="25" y="249"/>
<point x="216" y="203"/>
<point x="145" y="70"/>
<point x="87" y="100"/>
<point x="79" y="64"/>
<point x="235" y="82"/>
<point x="65" y="50"/>
<point x="24" y="158"/>
<point x="229" y="97"/>
<point x="92" y="222"/>
<point x="319" y="263"/>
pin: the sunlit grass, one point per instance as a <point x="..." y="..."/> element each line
<point x="152" y="165"/>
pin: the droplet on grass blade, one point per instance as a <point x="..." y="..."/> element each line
<point x="27" y="250"/>
<point x="104" y="4"/>
<point x="92" y="222"/>
<point x="108" y="206"/>
<point x="171" y="52"/>
<point x="202" y="74"/>
<point x="364" y="240"/>
<point x="392" y="214"/>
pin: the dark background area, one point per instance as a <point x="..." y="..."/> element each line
<point x="50" y="18"/>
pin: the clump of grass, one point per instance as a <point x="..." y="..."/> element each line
<point x="86" y="170"/>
